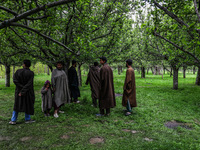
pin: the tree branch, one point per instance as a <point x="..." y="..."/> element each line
<point x="44" y="36"/>
<point x="33" y="11"/>
<point x="196" y="10"/>
<point x="175" y="45"/>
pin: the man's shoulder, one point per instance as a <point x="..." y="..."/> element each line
<point x="130" y="70"/>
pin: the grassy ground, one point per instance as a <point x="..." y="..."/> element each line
<point x="144" y="129"/>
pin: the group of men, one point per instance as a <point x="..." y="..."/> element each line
<point x="102" y="87"/>
<point x="65" y="89"/>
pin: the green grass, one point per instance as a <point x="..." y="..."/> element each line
<point x="157" y="104"/>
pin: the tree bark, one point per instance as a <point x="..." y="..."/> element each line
<point x="48" y="70"/>
<point x="194" y="70"/>
<point x="142" y="72"/>
<point x="7" y="68"/>
<point x="79" y="75"/>
<point x="152" y="70"/>
<point x="147" y="70"/>
<point x="171" y="72"/>
<point x="184" y="71"/>
<point x="175" y="77"/>
<point x="198" y="76"/>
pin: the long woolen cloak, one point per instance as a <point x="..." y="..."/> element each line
<point x="107" y="94"/>
<point x="23" y="79"/>
<point x="46" y="99"/>
<point x="73" y="82"/>
<point x="59" y="81"/>
<point x="129" y="88"/>
<point x="94" y="80"/>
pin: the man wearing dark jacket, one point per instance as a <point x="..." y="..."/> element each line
<point x="24" y="93"/>
<point x="73" y="82"/>
<point x="106" y="94"/>
<point x="94" y="80"/>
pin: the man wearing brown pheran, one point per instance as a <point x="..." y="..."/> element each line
<point x="129" y="94"/>
<point x="94" y="80"/>
<point x="106" y="94"/>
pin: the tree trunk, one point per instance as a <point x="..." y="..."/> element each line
<point x="152" y="70"/>
<point x="79" y="75"/>
<point x="142" y="72"/>
<point x="194" y="70"/>
<point x="66" y="67"/>
<point x="13" y="71"/>
<point x="171" y="72"/>
<point x="184" y="71"/>
<point x="198" y="76"/>
<point x="175" y="77"/>
<point x="7" y="68"/>
<point x="147" y="70"/>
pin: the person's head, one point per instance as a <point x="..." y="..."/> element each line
<point x="96" y="64"/>
<point x="74" y="63"/>
<point x="26" y="63"/>
<point x="47" y="84"/>
<point x="59" y="65"/>
<point x="103" y="60"/>
<point x="128" y="62"/>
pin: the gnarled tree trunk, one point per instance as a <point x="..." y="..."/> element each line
<point x="7" y="68"/>
<point x="198" y="77"/>
<point x="184" y="71"/>
<point x="142" y="72"/>
<point x="194" y="70"/>
<point x="175" y="77"/>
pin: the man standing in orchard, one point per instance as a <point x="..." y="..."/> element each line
<point x="94" y="80"/>
<point x="24" y="93"/>
<point x="106" y="94"/>
<point x="73" y="82"/>
<point x="59" y="82"/>
<point x="129" y="94"/>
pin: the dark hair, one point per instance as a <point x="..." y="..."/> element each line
<point x="47" y="82"/>
<point x="103" y="58"/>
<point x="60" y="62"/>
<point x="27" y="63"/>
<point x="73" y="62"/>
<point x="96" y="64"/>
<point x="129" y="62"/>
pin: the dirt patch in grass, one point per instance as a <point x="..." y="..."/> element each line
<point x="6" y="138"/>
<point x="26" y="138"/>
<point x="96" y="140"/>
<point x="174" y="124"/>
<point x="148" y="139"/>
<point x="65" y="137"/>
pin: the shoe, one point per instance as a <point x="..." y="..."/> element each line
<point x="56" y="115"/>
<point x="30" y="121"/>
<point x="77" y="102"/>
<point x="12" y="122"/>
<point x="62" y="112"/>
<point x="127" y="113"/>
<point x="99" y="115"/>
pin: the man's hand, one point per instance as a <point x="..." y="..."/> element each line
<point x="20" y="94"/>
